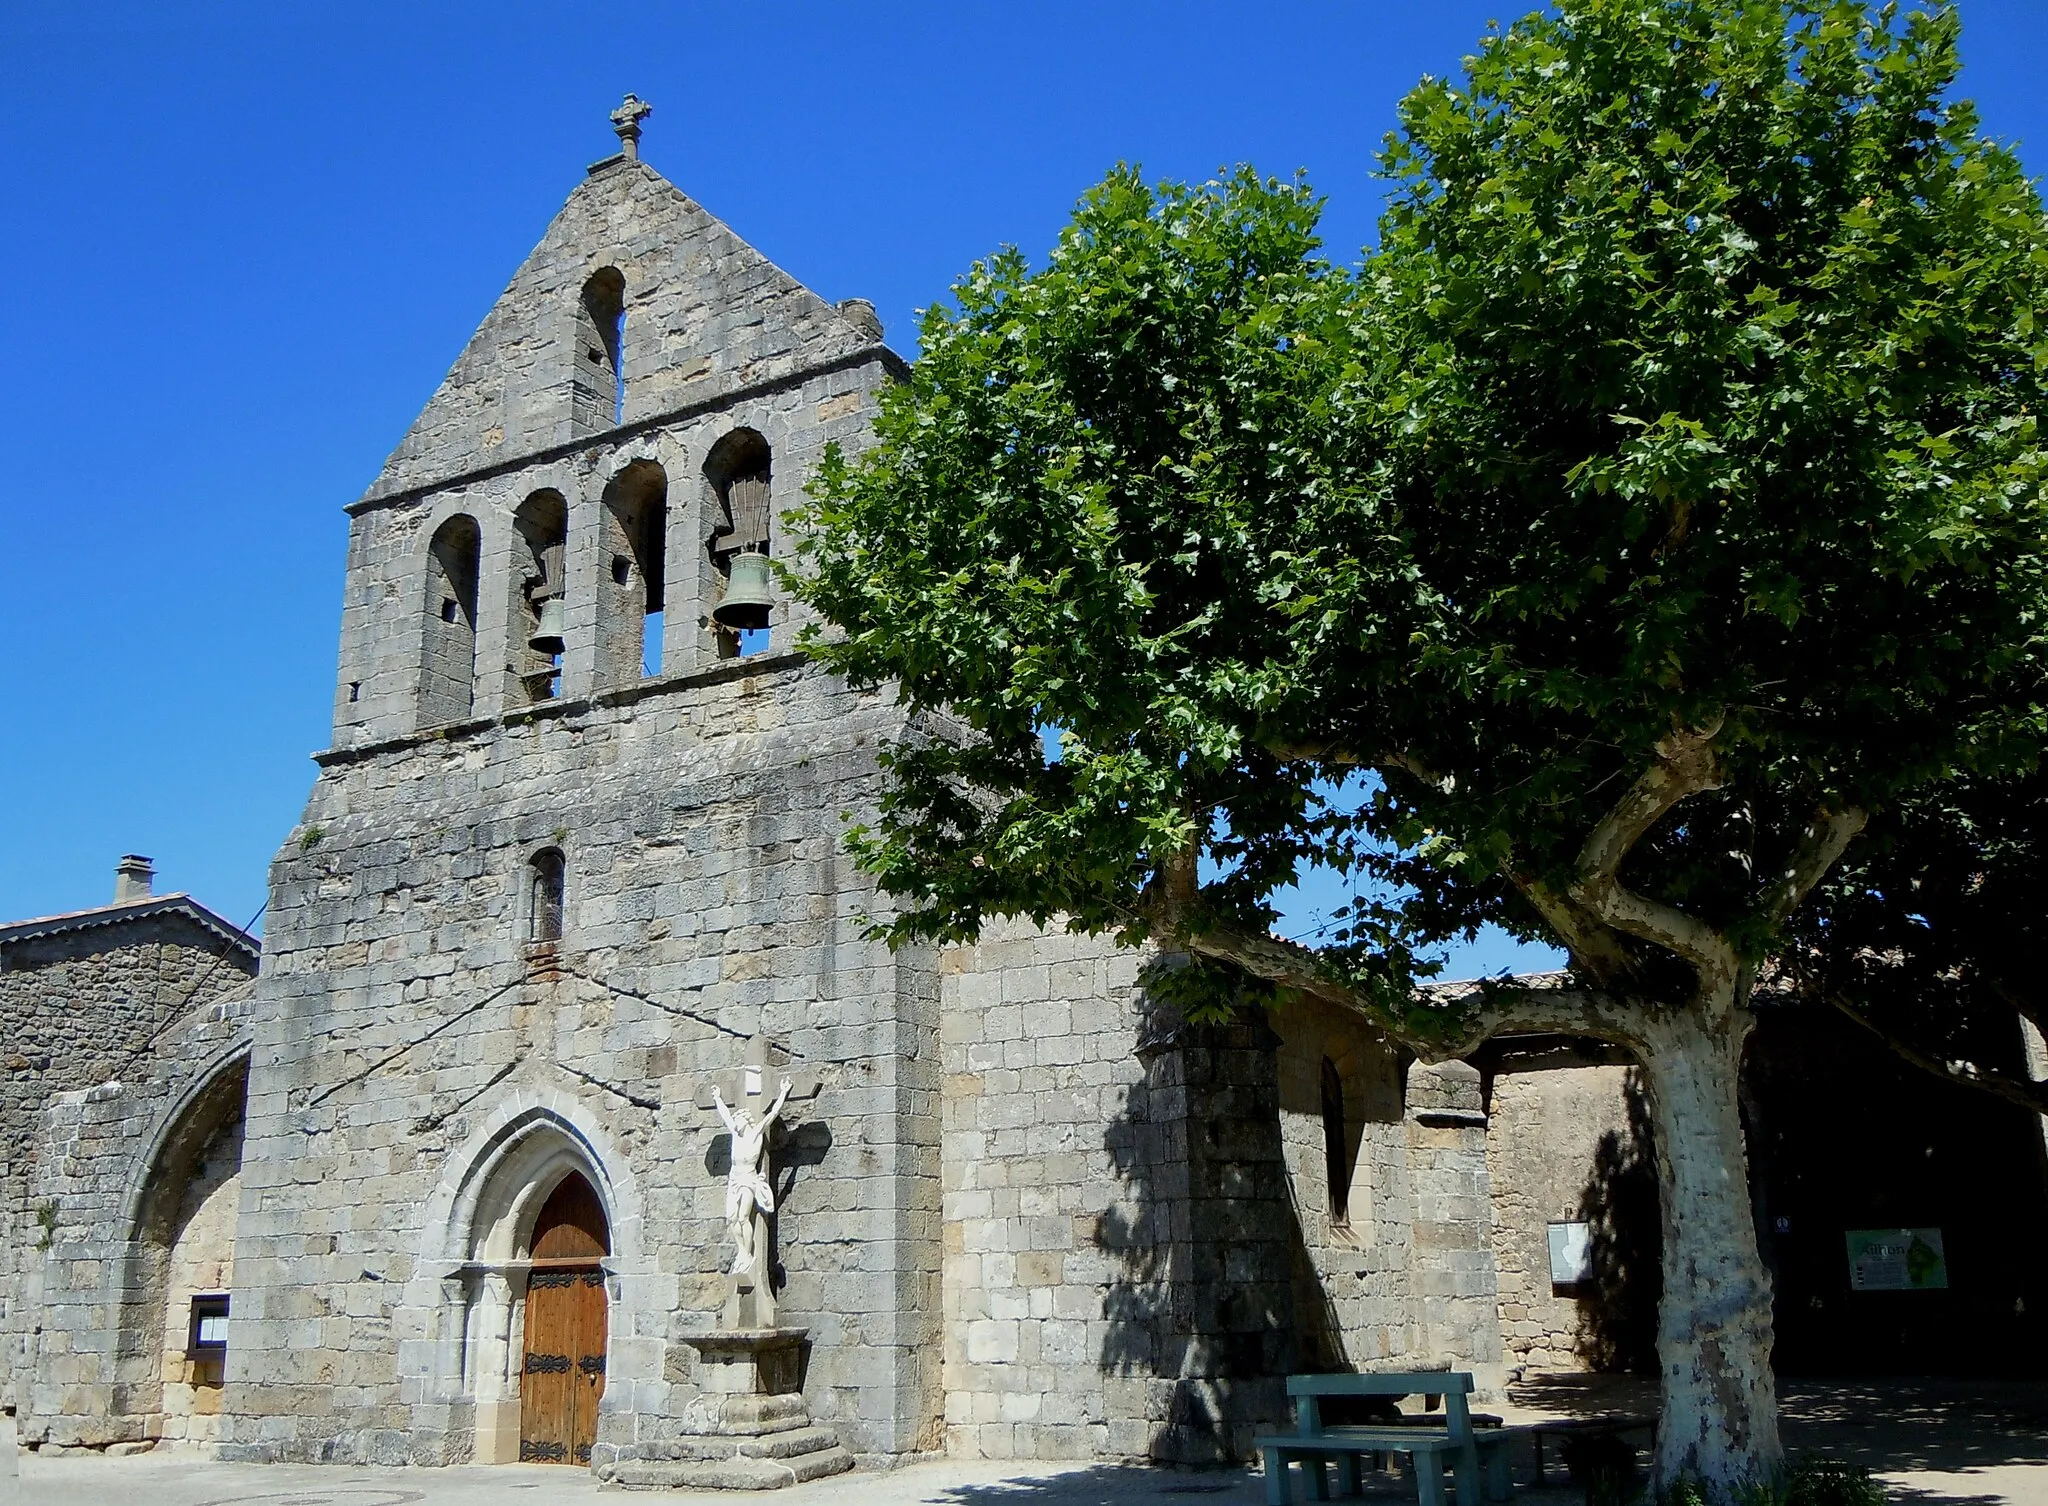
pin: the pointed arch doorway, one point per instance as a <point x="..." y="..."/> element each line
<point x="562" y="1374"/>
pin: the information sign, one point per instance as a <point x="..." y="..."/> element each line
<point x="1896" y="1260"/>
<point x="1571" y="1254"/>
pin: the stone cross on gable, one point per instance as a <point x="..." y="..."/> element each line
<point x="626" y="121"/>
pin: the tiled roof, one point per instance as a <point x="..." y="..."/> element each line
<point x="127" y="913"/>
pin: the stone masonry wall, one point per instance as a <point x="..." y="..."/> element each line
<point x="201" y="1259"/>
<point x="707" y="898"/>
<point x="79" y="1008"/>
<point x="1456" y="1289"/>
<point x="120" y="1158"/>
<point x="1098" y="1160"/>
<point x="1354" y="1293"/>
<point x="1038" y="1035"/>
<point x="1547" y="1131"/>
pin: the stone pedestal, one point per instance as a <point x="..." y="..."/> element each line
<point x="747" y="1429"/>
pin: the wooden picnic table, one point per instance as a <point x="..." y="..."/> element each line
<point x="1566" y="1428"/>
<point x="1478" y="1460"/>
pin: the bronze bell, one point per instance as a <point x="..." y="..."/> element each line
<point x="547" y="633"/>
<point x="748" y="595"/>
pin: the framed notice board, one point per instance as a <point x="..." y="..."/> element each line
<point x="1896" y="1260"/>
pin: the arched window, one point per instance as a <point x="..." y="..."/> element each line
<point x="740" y="474"/>
<point x="545" y="878"/>
<point x="538" y="603"/>
<point x="631" y="590"/>
<point x="1336" y="1145"/>
<point x="598" y="386"/>
<point x="448" y="634"/>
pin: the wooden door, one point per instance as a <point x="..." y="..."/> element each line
<point x="562" y="1377"/>
<point x="564" y="1369"/>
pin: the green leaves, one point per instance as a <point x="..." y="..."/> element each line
<point x="1694" y="383"/>
<point x="1702" y="341"/>
<point x="1083" y="512"/>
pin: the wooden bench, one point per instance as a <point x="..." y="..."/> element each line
<point x="1478" y="1461"/>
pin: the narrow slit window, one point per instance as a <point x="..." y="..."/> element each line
<point x="1336" y="1146"/>
<point x="548" y="871"/>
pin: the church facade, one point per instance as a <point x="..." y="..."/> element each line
<point x="574" y="847"/>
<point x="571" y="862"/>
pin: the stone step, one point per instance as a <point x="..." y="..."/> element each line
<point x="783" y="1443"/>
<point x="731" y="1473"/>
<point x="831" y="1461"/>
<point x="790" y="1444"/>
<point x="746" y="1414"/>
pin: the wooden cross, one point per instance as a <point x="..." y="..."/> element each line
<point x="626" y="121"/>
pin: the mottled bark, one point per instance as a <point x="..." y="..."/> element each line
<point x="1720" y="1420"/>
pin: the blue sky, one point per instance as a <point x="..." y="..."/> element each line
<point x="243" y="243"/>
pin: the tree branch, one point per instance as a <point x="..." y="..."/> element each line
<point x="1539" y="1002"/>
<point x="1533" y="1002"/>
<point x="1684" y="765"/>
<point x="1331" y="753"/>
<point x="1825" y="837"/>
<point x="2028" y="1095"/>
<point x="1591" y="944"/>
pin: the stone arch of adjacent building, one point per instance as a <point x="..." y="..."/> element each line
<point x="515" y="1241"/>
<point x="179" y="1218"/>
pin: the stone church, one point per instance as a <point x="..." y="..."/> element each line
<point x="450" y="1177"/>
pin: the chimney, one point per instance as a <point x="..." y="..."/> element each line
<point x="133" y="878"/>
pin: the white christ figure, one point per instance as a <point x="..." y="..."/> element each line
<point x="748" y="1196"/>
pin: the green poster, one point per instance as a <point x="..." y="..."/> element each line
<point x="1896" y="1260"/>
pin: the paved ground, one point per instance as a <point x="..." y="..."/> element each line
<point x="1934" y="1443"/>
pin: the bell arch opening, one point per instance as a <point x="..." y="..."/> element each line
<point x="536" y="631"/>
<point x="448" y="630"/>
<point x="598" y="386"/>
<point x="632" y="584"/>
<point x="739" y="471"/>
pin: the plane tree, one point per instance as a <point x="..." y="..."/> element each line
<point x="1658" y="504"/>
<point x="1929" y="934"/>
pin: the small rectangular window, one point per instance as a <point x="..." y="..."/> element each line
<point x="208" y="1334"/>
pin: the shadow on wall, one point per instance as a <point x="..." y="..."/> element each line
<point x="1618" y="1305"/>
<point x="1201" y="1307"/>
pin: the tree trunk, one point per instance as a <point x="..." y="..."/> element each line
<point x="1720" y="1421"/>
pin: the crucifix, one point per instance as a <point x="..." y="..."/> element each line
<point x="626" y="121"/>
<point x="750" y="1101"/>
